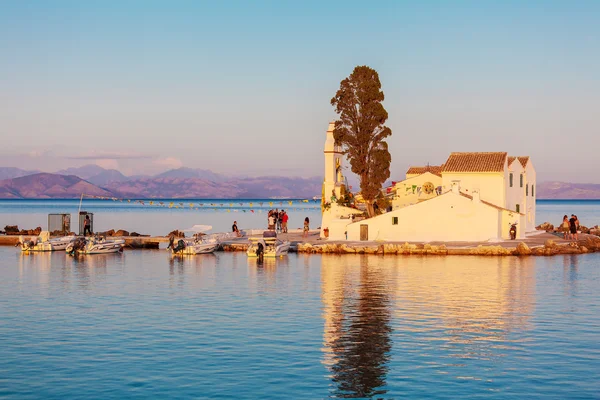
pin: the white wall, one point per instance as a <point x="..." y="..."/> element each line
<point x="449" y="217"/>
<point x="404" y="193"/>
<point x="529" y="199"/>
<point x="490" y="184"/>
<point x="335" y="219"/>
<point x="515" y="194"/>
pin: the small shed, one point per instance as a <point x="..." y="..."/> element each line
<point x="59" y="223"/>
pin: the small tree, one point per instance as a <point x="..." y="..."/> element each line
<point x="361" y="131"/>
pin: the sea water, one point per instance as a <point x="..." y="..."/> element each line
<point x="250" y="214"/>
<point x="145" y="325"/>
<point x="142" y="324"/>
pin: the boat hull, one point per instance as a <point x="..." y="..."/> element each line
<point x="57" y="244"/>
<point x="97" y="247"/>
<point x="271" y="248"/>
<point x="193" y="249"/>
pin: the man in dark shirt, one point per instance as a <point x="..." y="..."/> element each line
<point x="234" y="228"/>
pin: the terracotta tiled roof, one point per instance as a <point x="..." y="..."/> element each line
<point x="511" y="159"/>
<point x="523" y="160"/>
<point x="475" y="162"/>
<point x="434" y="169"/>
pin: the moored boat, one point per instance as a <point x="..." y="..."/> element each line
<point x="267" y="246"/>
<point x="44" y="243"/>
<point x="94" y="245"/>
<point x="192" y="246"/>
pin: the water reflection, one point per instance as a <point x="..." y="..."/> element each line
<point x="447" y="308"/>
<point x="267" y="273"/>
<point x="570" y="274"/>
<point x="466" y="307"/>
<point x="357" y="313"/>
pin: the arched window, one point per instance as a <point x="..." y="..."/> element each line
<point x="510" y="179"/>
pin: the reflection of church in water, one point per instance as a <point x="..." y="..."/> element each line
<point x="459" y="306"/>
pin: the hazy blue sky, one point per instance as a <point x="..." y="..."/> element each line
<point x="244" y="87"/>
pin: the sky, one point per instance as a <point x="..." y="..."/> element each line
<point x="244" y="88"/>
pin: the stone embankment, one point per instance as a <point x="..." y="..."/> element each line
<point x="549" y="247"/>
<point x="588" y="245"/>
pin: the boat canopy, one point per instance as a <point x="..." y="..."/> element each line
<point x="198" y="228"/>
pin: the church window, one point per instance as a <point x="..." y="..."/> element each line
<point x="521" y="180"/>
<point x="526" y="190"/>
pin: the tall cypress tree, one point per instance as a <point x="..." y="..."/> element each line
<point x="361" y="130"/>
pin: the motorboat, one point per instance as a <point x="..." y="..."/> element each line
<point x="44" y="243"/>
<point x="267" y="245"/>
<point x="191" y="246"/>
<point x="95" y="245"/>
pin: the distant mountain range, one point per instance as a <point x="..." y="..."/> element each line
<point x="177" y="183"/>
<point x="197" y="183"/>
<point x="568" y="191"/>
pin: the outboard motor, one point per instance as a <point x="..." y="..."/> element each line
<point x="260" y="251"/>
<point x="513" y="231"/>
<point x="180" y="246"/>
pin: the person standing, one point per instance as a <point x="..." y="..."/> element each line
<point x="306" y="227"/>
<point x="86" y="226"/>
<point x="271" y="225"/>
<point x="565" y="227"/>
<point x="573" y="227"/>
<point x="284" y="222"/>
<point x="278" y="220"/>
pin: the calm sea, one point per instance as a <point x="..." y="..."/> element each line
<point x="144" y="325"/>
<point x="249" y="214"/>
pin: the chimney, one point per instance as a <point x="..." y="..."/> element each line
<point x="456" y="187"/>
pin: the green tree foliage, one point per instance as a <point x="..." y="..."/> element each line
<point x="361" y="130"/>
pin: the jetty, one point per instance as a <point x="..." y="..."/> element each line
<point x="539" y="243"/>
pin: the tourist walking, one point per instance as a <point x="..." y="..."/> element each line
<point x="306" y="227"/>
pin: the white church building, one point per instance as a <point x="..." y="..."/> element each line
<point x="473" y="196"/>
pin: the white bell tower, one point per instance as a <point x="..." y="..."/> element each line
<point x="333" y="166"/>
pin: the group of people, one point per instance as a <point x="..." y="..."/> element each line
<point x="570" y="226"/>
<point x="278" y="221"/>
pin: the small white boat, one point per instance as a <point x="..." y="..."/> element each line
<point x="192" y="246"/>
<point x="44" y="243"/>
<point x="95" y="245"/>
<point x="267" y="246"/>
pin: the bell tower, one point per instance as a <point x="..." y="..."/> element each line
<point x="333" y="166"/>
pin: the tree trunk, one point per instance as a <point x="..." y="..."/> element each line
<point x="370" y="209"/>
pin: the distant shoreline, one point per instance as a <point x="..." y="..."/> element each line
<point x="310" y="199"/>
